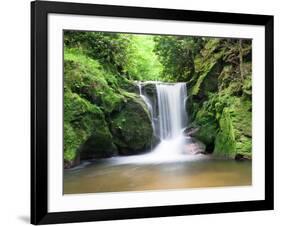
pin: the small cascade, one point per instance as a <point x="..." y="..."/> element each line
<point x="149" y="106"/>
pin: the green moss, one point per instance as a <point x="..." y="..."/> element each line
<point x="207" y="67"/>
<point x="78" y="121"/>
<point x="86" y="133"/>
<point x="211" y="47"/>
<point x="71" y="142"/>
<point x="235" y="132"/>
<point x="86" y="77"/>
<point x="225" y="144"/>
<point x="225" y="123"/>
<point x="242" y="123"/>
<point x="196" y="88"/>
<point x="131" y="127"/>
<point x="244" y="146"/>
<point x="207" y="124"/>
<point x="100" y="143"/>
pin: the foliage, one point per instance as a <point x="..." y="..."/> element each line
<point x="177" y="54"/>
<point x="143" y="63"/>
<point x="127" y="55"/>
<point x="108" y="48"/>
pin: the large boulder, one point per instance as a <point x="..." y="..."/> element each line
<point x="131" y="127"/>
<point x="100" y="143"/>
<point x="194" y="147"/>
<point x="86" y="134"/>
<point x="235" y="133"/>
<point x="206" y="131"/>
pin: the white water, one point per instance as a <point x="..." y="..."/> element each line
<point x="172" y="119"/>
<point x="172" y="114"/>
<point x="149" y="106"/>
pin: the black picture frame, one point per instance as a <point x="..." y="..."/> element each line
<point x="39" y="112"/>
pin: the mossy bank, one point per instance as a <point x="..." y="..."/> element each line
<point x="220" y="98"/>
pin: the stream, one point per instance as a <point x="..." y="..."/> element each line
<point x="197" y="172"/>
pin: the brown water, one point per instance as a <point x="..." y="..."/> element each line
<point x="111" y="176"/>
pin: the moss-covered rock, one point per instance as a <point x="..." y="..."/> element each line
<point x="71" y="145"/>
<point x="208" y="66"/>
<point x="207" y="128"/>
<point x="86" y="133"/>
<point x="235" y="133"/>
<point x="128" y="85"/>
<point x="241" y="115"/>
<point x="78" y="122"/>
<point x="149" y="89"/>
<point x="100" y="143"/>
<point x="225" y="144"/>
<point x="207" y="81"/>
<point x="131" y="127"/>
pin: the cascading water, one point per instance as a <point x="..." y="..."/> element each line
<point x="149" y="106"/>
<point x="172" y="119"/>
<point x="172" y="114"/>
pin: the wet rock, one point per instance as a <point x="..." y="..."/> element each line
<point x="191" y="131"/>
<point x="67" y="164"/>
<point x="241" y="157"/>
<point x="194" y="147"/>
<point x="129" y="86"/>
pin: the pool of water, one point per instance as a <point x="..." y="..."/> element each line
<point x="122" y="174"/>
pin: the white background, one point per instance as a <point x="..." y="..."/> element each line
<point x="14" y="112"/>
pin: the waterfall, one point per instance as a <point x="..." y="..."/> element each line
<point x="172" y="114"/>
<point x="166" y="106"/>
<point x="168" y="118"/>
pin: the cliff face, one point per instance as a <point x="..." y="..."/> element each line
<point x="220" y="97"/>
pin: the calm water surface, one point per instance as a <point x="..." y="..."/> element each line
<point x="113" y="175"/>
